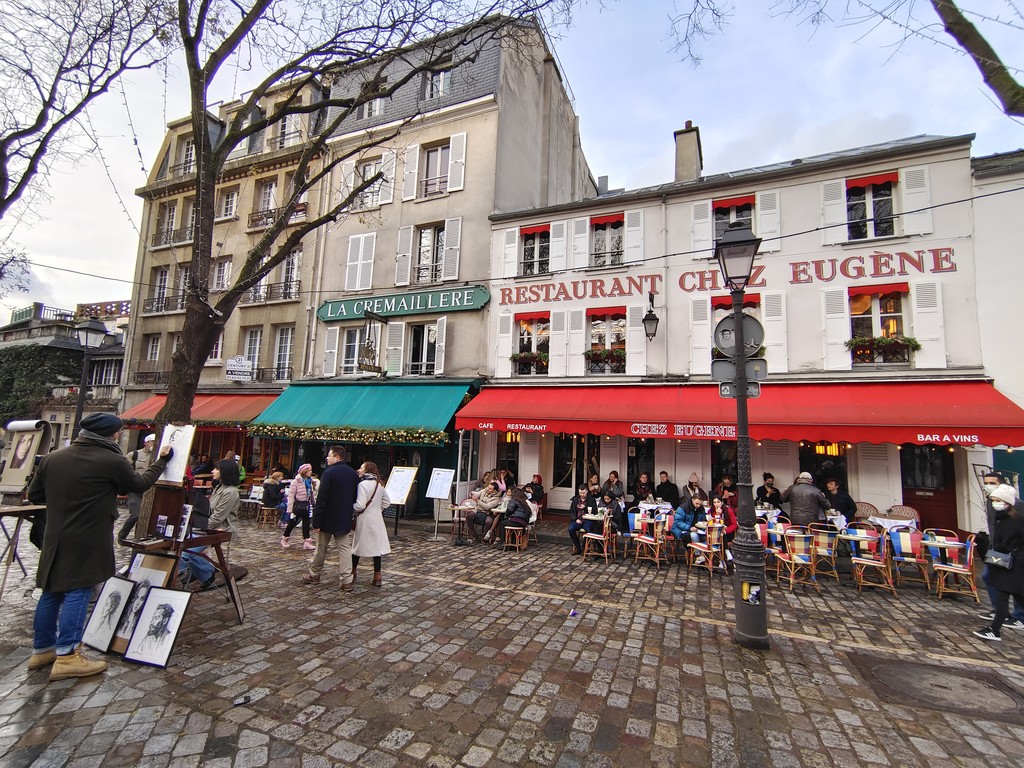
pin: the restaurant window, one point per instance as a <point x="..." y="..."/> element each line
<point x="355" y="348"/>
<point x="508" y="453"/>
<point x="429" y="255"/>
<point x="875" y="316"/>
<point x="639" y="458"/>
<point x="823" y="460"/>
<point x="923" y="467"/>
<point x="607" y="350"/>
<point x="422" y="349"/>
<point x="576" y="458"/>
<point x="533" y="343"/>
<point x="536" y="251"/>
<point x="731" y="211"/>
<point x="606" y="240"/>
<point x="869" y="209"/>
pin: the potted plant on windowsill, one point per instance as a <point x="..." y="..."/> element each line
<point x="885" y="349"/>
<point x="529" y="358"/>
<point x="605" y="355"/>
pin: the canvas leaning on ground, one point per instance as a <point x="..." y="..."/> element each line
<point x="157" y="628"/>
<point x="106" y="614"/>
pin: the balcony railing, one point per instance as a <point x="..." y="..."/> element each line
<point x="183" y="169"/>
<point x="266" y="217"/>
<point x="435" y="186"/>
<point x="280" y="373"/>
<point x="151" y="377"/>
<point x="283" y="140"/>
<point x="156" y="306"/>
<point x="606" y="259"/>
<point x="173" y="236"/>
<point x="261" y="294"/>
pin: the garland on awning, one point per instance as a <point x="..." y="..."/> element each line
<point x="351" y="435"/>
<point x="217" y="423"/>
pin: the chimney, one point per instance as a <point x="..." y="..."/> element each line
<point x="602" y="185"/>
<point x="689" y="159"/>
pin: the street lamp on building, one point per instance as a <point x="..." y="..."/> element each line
<point x="735" y="252"/>
<point x="650" y="320"/>
<point x="91" y="334"/>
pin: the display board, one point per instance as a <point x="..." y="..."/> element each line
<point x="399" y="483"/>
<point x="27" y="439"/>
<point x="180" y="439"/>
<point x="440" y="483"/>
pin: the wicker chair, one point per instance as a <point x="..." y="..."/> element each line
<point x="904" y="513"/>
<point x="866" y="509"/>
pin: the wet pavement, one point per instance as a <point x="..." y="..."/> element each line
<point x="472" y="657"/>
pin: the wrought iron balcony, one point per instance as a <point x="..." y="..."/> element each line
<point x="183" y="169"/>
<point x="282" y="140"/>
<point x="175" y="303"/>
<point x="435" y="186"/>
<point x="266" y="217"/>
<point x="262" y="294"/>
<point x="151" y="377"/>
<point x="173" y="236"/>
<point x="280" y="373"/>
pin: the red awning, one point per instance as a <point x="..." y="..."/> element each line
<point x="532" y="316"/>
<point x="523" y="231"/>
<point x="209" y="411"/>
<point x="878" y="289"/>
<point x="946" y="413"/>
<point x="733" y="202"/>
<point x="606" y="311"/>
<point x="878" y="178"/>
<point x="611" y="218"/>
<point x="725" y="302"/>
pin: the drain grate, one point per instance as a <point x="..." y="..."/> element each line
<point x="966" y="692"/>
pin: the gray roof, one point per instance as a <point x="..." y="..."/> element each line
<point x="998" y="164"/>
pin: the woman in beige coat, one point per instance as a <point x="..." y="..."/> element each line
<point x="371" y="535"/>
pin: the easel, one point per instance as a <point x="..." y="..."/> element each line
<point x="10" y="553"/>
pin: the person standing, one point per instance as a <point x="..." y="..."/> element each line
<point x="807" y="503"/>
<point x="332" y="517"/>
<point x="991" y="481"/>
<point x="300" y="503"/>
<point x="371" y="535"/>
<point x="140" y="458"/>
<point x="79" y="485"/>
<point x="1007" y="537"/>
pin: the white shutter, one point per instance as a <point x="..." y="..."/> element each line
<point x="835" y="311"/>
<point x="510" y="253"/>
<point x="452" y="239"/>
<point x="389" y="160"/>
<point x="529" y="454"/>
<point x="331" y="352"/>
<point x="768" y="221"/>
<point x="700" y="336"/>
<point x="395" y="356"/>
<point x="776" y="347"/>
<point x="412" y="163"/>
<point x="917" y="200"/>
<point x="502" y="363"/>
<point x="833" y="212"/>
<point x="348" y="178"/>
<point x="576" y="364"/>
<point x="439" y="344"/>
<point x="456" y="162"/>
<point x="557" y="344"/>
<point x="355" y="245"/>
<point x="366" y="261"/>
<point x="636" y="340"/>
<point x="926" y="299"/>
<point x="403" y="259"/>
<point x="556" y="247"/>
<point x="703" y="230"/>
<point x="580" y="243"/>
<point x="634" y="236"/>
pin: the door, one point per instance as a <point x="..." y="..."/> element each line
<point x="928" y="484"/>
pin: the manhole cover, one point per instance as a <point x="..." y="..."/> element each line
<point x="967" y="692"/>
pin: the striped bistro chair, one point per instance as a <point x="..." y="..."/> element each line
<point x="650" y="545"/>
<point x="869" y="556"/>
<point x="600" y="544"/>
<point x="798" y="558"/>
<point x="905" y="549"/>
<point x="776" y="544"/>
<point x="761" y="529"/>
<point x="961" y="573"/>
<point x="824" y="548"/>
<point x="712" y="549"/>
<point x="631" y="515"/>
<point x="866" y="509"/>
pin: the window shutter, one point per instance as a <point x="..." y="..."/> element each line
<point x="833" y="212"/>
<point x="634" y="236"/>
<point x="395" y="355"/>
<point x="355" y="246"/>
<point x="412" y="162"/>
<point x="510" y="258"/>
<point x="366" y="261"/>
<point x="580" y="243"/>
<point x="926" y="300"/>
<point x="776" y="347"/>
<point x="456" y="162"/>
<point x="575" y="362"/>
<point x="703" y="230"/>
<point x="700" y="336"/>
<point x="403" y="259"/>
<point x="768" y="221"/>
<point x="389" y="160"/>
<point x="331" y="352"/>
<point x="557" y="341"/>
<point x="502" y="363"/>
<point x="836" y="314"/>
<point x="439" y="345"/>
<point x="636" y="340"/>
<point x="556" y="247"/>
<point x="452" y="238"/>
<point x="917" y="200"/>
<point x="529" y="454"/>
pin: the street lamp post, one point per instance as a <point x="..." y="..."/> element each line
<point x="735" y="252"/>
<point x="91" y="334"/>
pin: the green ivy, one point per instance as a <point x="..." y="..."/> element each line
<point x="28" y="374"/>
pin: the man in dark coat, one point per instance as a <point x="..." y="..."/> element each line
<point x="666" y="490"/>
<point x="807" y="503"/>
<point x="332" y="517"/>
<point x="79" y="486"/>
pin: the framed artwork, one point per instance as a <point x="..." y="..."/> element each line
<point x="186" y="521"/>
<point x="106" y="614"/>
<point x="180" y="439"/>
<point x="148" y="570"/>
<point x="158" y="625"/>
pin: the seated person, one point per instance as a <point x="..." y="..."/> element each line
<point x="195" y="572"/>
<point x="686" y="518"/>
<point x="488" y="500"/>
<point x="274" y="495"/>
<point x="644" y="488"/>
<point x="518" y="512"/>
<point x="620" y="520"/>
<point x="583" y="503"/>
<point x="667" y="491"/>
<point x="613" y="485"/>
<point x="727" y="491"/>
<point x="535" y="490"/>
<point x="768" y="493"/>
<point x="494" y="530"/>
<point x="594" y="486"/>
<point x="840" y="500"/>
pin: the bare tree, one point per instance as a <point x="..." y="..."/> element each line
<point x="698" y="20"/>
<point x="306" y="47"/>
<point x="57" y="57"/>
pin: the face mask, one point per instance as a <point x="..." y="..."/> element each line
<point x="989" y="487"/>
<point x="999" y="506"/>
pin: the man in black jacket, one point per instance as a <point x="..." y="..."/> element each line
<point x="332" y="517"/>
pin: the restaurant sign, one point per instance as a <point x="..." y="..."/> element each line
<point x="624" y="428"/>
<point x="401" y="304"/>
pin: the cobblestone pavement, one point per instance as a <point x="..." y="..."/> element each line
<point x="471" y="657"/>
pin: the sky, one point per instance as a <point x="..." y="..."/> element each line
<point x="769" y="88"/>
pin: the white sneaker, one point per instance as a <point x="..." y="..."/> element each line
<point x="728" y="555"/>
<point x="487" y="536"/>
<point x="700" y="560"/>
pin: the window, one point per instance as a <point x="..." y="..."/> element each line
<point x="175" y="343"/>
<point x="437" y="83"/>
<point x="435" y="171"/>
<point x="576" y="458"/>
<point x="184" y="277"/>
<point x="727" y="213"/>
<point x="228" y="204"/>
<point x="889" y="204"/>
<point x="428" y="258"/>
<point x="422" y="349"/>
<point x="283" y="353"/>
<point x="160" y="283"/>
<point x="359" y="267"/>
<point x="869" y="211"/>
<point x="536" y="252"/>
<point x="214" y="358"/>
<point x="221" y="275"/>
<point x="533" y="344"/>
<point x="105" y="372"/>
<point x="369" y="109"/>
<point x="370" y="197"/>
<point x="167" y="219"/>
<point x="879" y="316"/>
<point x="606" y="234"/>
<point x="607" y="340"/>
<point x="153" y="347"/>
<point x="266" y="195"/>
<point x="360" y="344"/>
<point x="188" y="156"/>
<point x="290" y="274"/>
<point x="253" y="344"/>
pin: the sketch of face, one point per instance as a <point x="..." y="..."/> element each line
<point x="110" y="608"/>
<point x="131" y="616"/>
<point x="175" y="437"/>
<point x="21" y="450"/>
<point x="159" y="626"/>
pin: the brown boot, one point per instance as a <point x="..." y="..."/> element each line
<point x="40" y="660"/>
<point x="75" y="665"/>
<point x="376" y="579"/>
<point x="353" y="576"/>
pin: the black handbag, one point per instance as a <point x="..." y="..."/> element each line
<point x="999" y="559"/>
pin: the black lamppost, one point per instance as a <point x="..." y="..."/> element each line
<point x="735" y="252"/>
<point x="91" y="334"/>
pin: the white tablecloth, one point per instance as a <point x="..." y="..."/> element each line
<point x="892" y="522"/>
<point x="653" y="509"/>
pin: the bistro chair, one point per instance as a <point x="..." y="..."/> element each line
<point x="761" y="529"/>
<point x="905" y="549"/>
<point x="460" y="515"/>
<point x="712" y="549"/>
<point x="631" y="515"/>
<point x="251" y="505"/>
<point x="866" y="509"/>
<point x="531" y="527"/>
<point x="962" y="573"/>
<point x="601" y="544"/>
<point x="798" y="559"/>
<point x="943" y="555"/>
<point x="651" y="545"/>
<point x="776" y="543"/>
<point x="823" y="551"/>
<point x="868" y="556"/>
<point x="516" y="538"/>
<point x="267" y="517"/>
<point x="903" y="512"/>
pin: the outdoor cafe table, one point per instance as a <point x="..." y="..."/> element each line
<point x="943" y="547"/>
<point x="892" y="522"/>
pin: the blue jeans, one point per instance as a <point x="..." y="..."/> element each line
<point x="200" y="567"/>
<point x="574" y="532"/>
<point x="60" y="620"/>
<point x="993" y="596"/>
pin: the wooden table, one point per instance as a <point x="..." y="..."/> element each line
<point x="22" y="512"/>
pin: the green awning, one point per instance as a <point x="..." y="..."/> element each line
<point x="387" y="412"/>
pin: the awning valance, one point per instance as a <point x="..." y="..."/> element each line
<point x="946" y="413"/>
<point x="725" y="302"/>
<point x="383" y="412"/>
<point x="227" y="411"/>
<point x="733" y="202"/>
<point x="617" y="311"/>
<point x="610" y="218"/>
<point x="878" y="289"/>
<point x="546" y="315"/>
<point x="537" y="229"/>
<point x="878" y="178"/>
